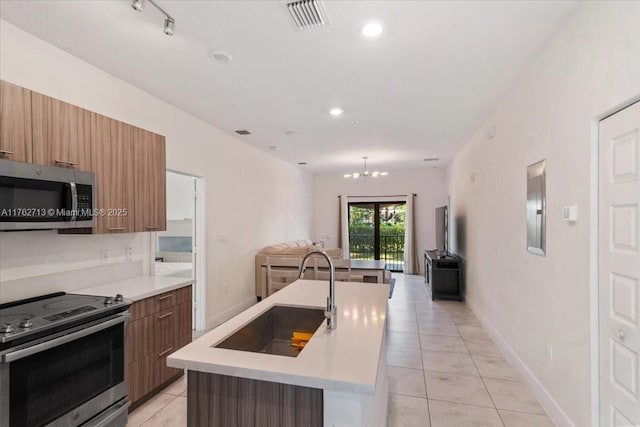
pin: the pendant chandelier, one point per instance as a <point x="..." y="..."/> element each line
<point x="365" y="173"/>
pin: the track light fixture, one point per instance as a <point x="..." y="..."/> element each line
<point x="138" y="5"/>
<point x="169" y="22"/>
<point x="169" y="26"/>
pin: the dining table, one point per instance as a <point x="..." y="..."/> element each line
<point x="370" y="270"/>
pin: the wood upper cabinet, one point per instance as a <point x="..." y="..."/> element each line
<point x="129" y="162"/>
<point x="112" y="162"/>
<point x="150" y="181"/>
<point x="61" y="133"/>
<point x="15" y="123"/>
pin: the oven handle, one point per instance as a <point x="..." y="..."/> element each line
<point x="112" y="414"/>
<point x="25" y="352"/>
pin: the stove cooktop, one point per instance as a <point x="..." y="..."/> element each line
<point x="22" y="318"/>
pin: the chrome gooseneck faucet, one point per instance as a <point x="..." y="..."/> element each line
<point x="330" y="311"/>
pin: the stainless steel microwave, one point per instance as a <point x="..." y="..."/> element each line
<point x="35" y="197"/>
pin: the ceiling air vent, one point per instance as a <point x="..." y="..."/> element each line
<point x="243" y="132"/>
<point x="306" y="14"/>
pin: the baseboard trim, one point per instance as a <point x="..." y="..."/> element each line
<point x="555" y="412"/>
<point x="220" y="318"/>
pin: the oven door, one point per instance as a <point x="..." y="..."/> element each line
<point x="66" y="380"/>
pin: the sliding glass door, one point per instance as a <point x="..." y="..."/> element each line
<point x="376" y="232"/>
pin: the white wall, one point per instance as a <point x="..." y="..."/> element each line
<point x="180" y="192"/>
<point x="590" y="66"/>
<point x="428" y="183"/>
<point x="35" y="253"/>
<point x="252" y="199"/>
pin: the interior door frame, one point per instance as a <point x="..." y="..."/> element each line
<point x="594" y="260"/>
<point x="199" y="257"/>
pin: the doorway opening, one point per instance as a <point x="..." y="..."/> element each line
<point x="376" y="232"/>
<point x="178" y="250"/>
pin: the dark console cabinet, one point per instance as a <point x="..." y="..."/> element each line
<point x="444" y="274"/>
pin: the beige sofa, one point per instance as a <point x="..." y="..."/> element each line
<point x="298" y="248"/>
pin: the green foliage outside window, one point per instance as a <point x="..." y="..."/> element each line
<point x="361" y="231"/>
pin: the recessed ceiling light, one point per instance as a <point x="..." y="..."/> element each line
<point x="243" y="132"/>
<point x="372" y="29"/>
<point x="221" y="56"/>
<point x="347" y="175"/>
<point x="336" y="111"/>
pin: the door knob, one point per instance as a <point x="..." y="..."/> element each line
<point x="620" y="335"/>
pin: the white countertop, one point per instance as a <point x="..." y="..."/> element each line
<point x="139" y="287"/>
<point x="344" y="359"/>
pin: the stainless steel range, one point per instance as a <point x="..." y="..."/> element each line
<point x="62" y="361"/>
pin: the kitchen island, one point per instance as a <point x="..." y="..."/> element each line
<point x="338" y="379"/>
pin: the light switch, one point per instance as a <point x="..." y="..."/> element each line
<point x="570" y="213"/>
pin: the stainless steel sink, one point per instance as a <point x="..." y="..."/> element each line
<point x="271" y="331"/>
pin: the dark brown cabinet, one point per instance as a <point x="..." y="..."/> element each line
<point x="445" y="275"/>
<point x="15" y="123"/>
<point x="159" y="326"/>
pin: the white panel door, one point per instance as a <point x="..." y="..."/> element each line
<point x="619" y="268"/>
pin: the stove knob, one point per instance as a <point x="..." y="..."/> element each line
<point x="108" y="301"/>
<point x="119" y="298"/>
<point x="26" y="323"/>
<point x="6" y="329"/>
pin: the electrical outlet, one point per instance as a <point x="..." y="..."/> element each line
<point x="550" y="352"/>
<point x="129" y="252"/>
<point x="104" y="256"/>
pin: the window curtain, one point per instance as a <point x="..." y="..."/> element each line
<point x="411" y="262"/>
<point x="343" y="227"/>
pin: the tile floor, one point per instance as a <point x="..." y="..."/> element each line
<point x="444" y="370"/>
<point x="166" y="409"/>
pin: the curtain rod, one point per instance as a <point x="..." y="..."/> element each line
<point x="393" y="195"/>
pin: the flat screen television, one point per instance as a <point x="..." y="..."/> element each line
<point x="442" y="230"/>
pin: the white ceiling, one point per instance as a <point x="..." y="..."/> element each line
<point x="417" y="91"/>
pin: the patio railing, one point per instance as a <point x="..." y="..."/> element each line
<point x="362" y="246"/>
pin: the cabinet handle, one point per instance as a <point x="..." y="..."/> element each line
<point x="116" y="228"/>
<point x="165" y="315"/>
<point x="165" y="297"/>
<point x="153" y="227"/>
<point x="66" y="162"/>
<point x="162" y="353"/>
<point x="6" y="153"/>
